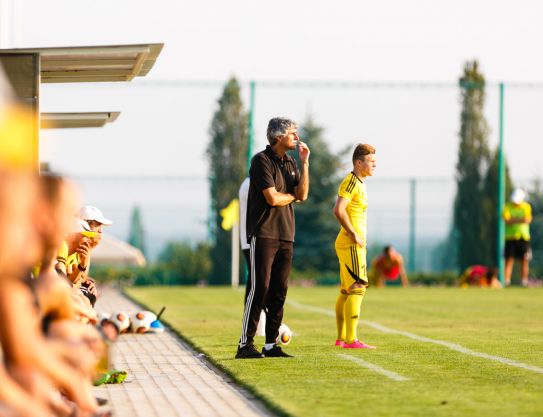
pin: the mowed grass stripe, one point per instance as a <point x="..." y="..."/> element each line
<point x="453" y="346"/>
<point x="389" y="374"/>
<point x="319" y="383"/>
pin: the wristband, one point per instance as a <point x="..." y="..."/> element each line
<point x="81" y="268"/>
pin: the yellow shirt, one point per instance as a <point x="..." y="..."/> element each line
<point x="70" y="260"/>
<point x="62" y="255"/>
<point x="518" y="231"/>
<point x="353" y="190"/>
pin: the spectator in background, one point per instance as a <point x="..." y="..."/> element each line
<point x="95" y="219"/>
<point x="518" y="216"/>
<point x="480" y="276"/>
<point x="389" y="268"/>
<point x="75" y="252"/>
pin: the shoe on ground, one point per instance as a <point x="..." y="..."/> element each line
<point x="340" y="343"/>
<point x="275" y="352"/>
<point x="248" y="352"/>
<point x="357" y="344"/>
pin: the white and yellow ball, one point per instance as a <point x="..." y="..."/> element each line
<point x="141" y="321"/>
<point x="285" y="335"/>
<point x="121" y="320"/>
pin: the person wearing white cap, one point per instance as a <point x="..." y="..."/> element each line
<point x="94" y="217"/>
<point x="518" y="216"/>
<point x="93" y="214"/>
<point x="73" y="257"/>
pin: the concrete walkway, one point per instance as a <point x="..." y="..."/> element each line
<point x="165" y="378"/>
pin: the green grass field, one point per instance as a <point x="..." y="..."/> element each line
<point x="441" y="352"/>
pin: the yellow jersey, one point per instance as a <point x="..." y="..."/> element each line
<point x="68" y="259"/>
<point x="353" y="190"/>
<point x="523" y="212"/>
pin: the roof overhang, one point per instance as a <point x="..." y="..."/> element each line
<point x="77" y="120"/>
<point x="93" y="63"/>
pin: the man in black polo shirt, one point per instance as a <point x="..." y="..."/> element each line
<point x="275" y="184"/>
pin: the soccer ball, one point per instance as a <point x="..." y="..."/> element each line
<point x="121" y="319"/>
<point x="285" y="335"/>
<point x="141" y="321"/>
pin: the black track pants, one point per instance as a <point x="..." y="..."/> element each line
<point x="271" y="260"/>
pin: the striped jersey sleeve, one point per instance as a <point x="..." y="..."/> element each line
<point x="348" y="188"/>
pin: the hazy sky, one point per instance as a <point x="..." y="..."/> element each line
<point x="163" y="130"/>
<point x="293" y="40"/>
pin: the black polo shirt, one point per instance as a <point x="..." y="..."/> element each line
<point x="269" y="170"/>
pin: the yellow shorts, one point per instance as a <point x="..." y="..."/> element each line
<point x="352" y="266"/>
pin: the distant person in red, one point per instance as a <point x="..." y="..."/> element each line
<point x="480" y="276"/>
<point x="389" y="268"/>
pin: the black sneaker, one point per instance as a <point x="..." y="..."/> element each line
<point x="248" y="352"/>
<point x="275" y="352"/>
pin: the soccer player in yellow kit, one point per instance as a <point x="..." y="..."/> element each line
<point x="350" y="211"/>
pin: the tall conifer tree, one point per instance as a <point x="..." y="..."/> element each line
<point x="473" y="162"/>
<point x="227" y="155"/>
<point x="137" y="234"/>
<point x="316" y="226"/>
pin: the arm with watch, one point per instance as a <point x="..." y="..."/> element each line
<point x="79" y="272"/>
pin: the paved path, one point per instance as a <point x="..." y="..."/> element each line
<point x="166" y="378"/>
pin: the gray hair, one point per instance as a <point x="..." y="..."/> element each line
<point x="278" y="126"/>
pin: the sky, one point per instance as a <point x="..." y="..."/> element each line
<point x="164" y="122"/>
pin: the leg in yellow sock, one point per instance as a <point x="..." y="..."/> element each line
<point x="340" y="316"/>
<point x="352" y="315"/>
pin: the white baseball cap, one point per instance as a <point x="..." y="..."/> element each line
<point x="518" y="195"/>
<point x="81" y="226"/>
<point x="89" y="213"/>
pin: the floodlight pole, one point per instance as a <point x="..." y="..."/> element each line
<point x="251" y="124"/>
<point x="501" y="196"/>
<point x="412" y="223"/>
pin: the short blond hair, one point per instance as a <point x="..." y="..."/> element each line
<point x="361" y="150"/>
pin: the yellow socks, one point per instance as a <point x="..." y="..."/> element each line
<point x="352" y="314"/>
<point x="340" y="318"/>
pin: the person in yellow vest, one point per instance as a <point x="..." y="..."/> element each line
<point x="350" y="211"/>
<point x="518" y="216"/>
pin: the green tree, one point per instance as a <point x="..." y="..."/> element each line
<point x="137" y="233"/>
<point x="227" y="155"/>
<point x="181" y="263"/>
<point x="535" y="198"/>
<point x="474" y="233"/>
<point x="473" y="160"/>
<point x="316" y="226"/>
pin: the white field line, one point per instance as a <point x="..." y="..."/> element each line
<point x="371" y="366"/>
<point x="452" y="346"/>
